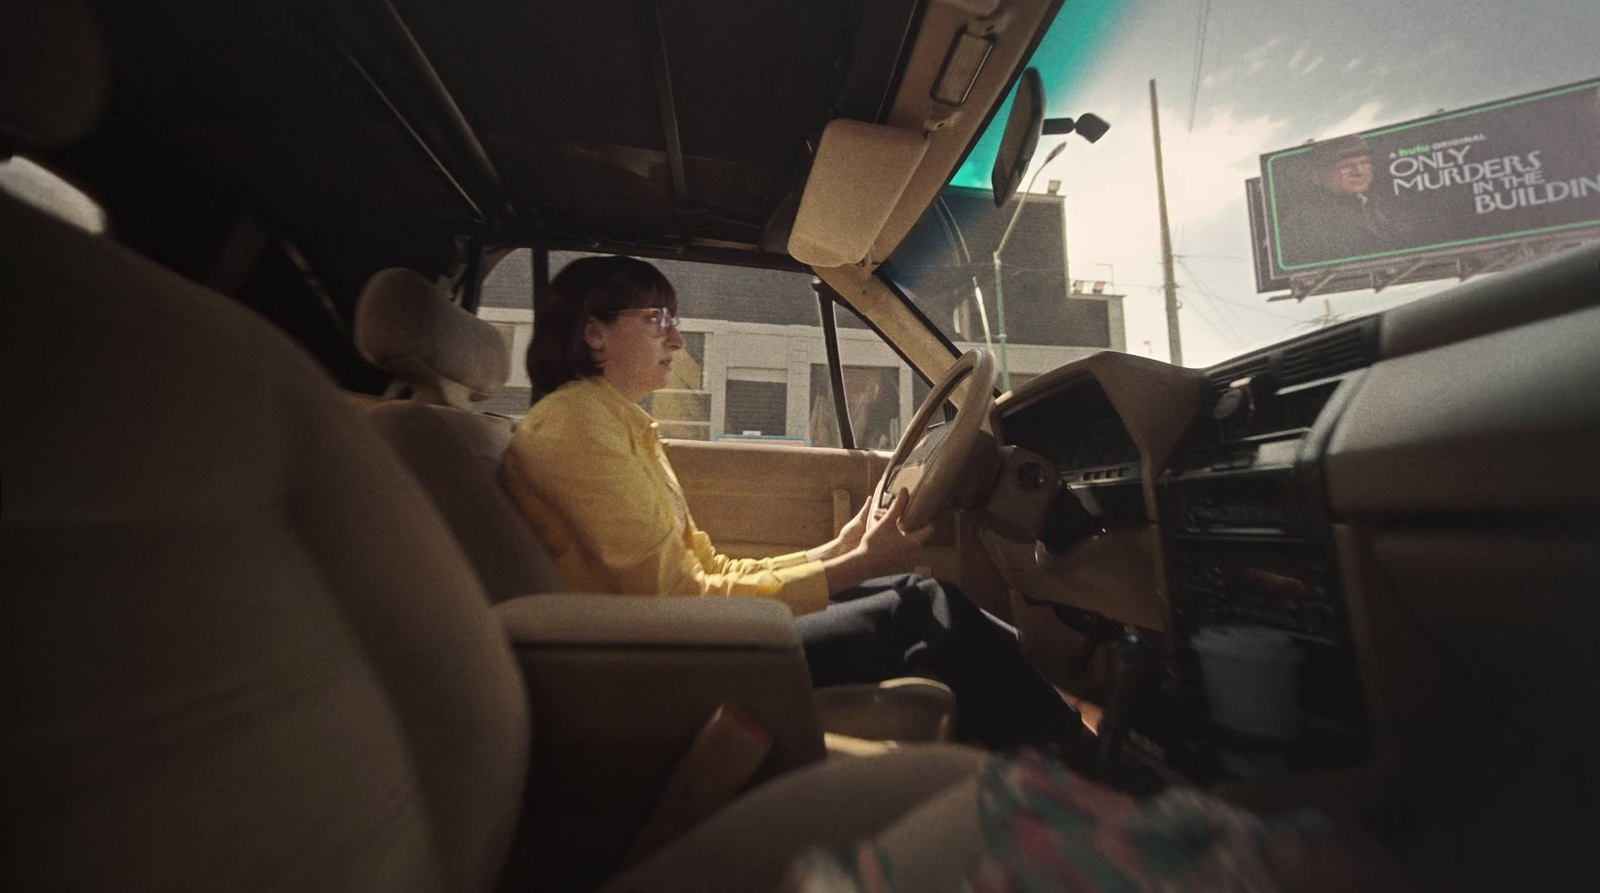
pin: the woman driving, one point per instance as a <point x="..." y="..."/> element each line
<point x="587" y="469"/>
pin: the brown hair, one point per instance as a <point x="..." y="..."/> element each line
<point x="598" y="287"/>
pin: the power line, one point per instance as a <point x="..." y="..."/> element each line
<point x="1243" y="306"/>
<point x="1210" y="293"/>
<point x="1233" y="333"/>
<point x="1232" y="340"/>
<point x="1195" y="72"/>
<point x="1199" y="60"/>
<point x="1231" y="336"/>
<point x="1206" y="289"/>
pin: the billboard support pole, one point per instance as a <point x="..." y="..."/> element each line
<point x="1170" y="283"/>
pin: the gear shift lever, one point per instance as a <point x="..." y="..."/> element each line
<point x="1131" y="659"/>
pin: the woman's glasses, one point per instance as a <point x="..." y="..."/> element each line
<point x="659" y="319"/>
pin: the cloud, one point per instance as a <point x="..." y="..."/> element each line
<point x="1367" y="116"/>
<point x="1439" y="50"/>
<point x="1372" y="114"/>
<point x="1303" y="63"/>
<point x="1353" y="64"/>
<point x="1257" y="57"/>
<point x="1208" y="167"/>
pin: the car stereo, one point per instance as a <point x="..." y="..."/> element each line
<point x="1284" y="586"/>
<point x="1246" y="527"/>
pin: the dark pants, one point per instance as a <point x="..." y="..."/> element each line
<point x="909" y="625"/>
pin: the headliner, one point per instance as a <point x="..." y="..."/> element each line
<point x="327" y="119"/>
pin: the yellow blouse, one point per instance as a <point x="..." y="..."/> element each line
<point x="587" y="469"/>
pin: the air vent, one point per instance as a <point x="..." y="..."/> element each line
<point x="1223" y="376"/>
<point x="1327" y="353"/>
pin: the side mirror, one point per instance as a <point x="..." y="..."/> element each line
<point x="1089" y="126"/>
<point x="1020" y="139"/>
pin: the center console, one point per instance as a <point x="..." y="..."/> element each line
<point x="1247" y="528"/>
<point x="1245" y="532"/>
<point x="1207" y="490"/>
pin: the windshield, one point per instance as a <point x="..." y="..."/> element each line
<point x="1321" y="161"/>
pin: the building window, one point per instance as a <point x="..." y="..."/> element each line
<point x="683" y="407"/>
<point x="872" y="396"/>
<point x="756" y="408"/>
<point x="509" y="283"/>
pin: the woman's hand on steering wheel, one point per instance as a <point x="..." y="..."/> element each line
<point x="884" y="547"/>
<point x="849" y="536"/>
<point x="932" y="464"/>
<point x="851" y="533"/>
<point x="887" y="546"/>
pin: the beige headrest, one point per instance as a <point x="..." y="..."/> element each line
<point x="52" y="71"/>
<point x="857" y="178"/>
<point x="447" y="355"/>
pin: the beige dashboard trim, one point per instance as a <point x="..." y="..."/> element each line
<point x="1123" y="573"/>
<point x="1505" y="421"/>
<point x="1156" y="401"/>
<point x="1116" y="573"/>
<point x="1548" y="287"/>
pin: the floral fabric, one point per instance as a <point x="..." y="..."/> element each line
<point x="1047" y="829"/>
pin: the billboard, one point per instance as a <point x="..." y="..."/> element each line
<point x="1454" y="183"/>
<point x="1255" y="202"/>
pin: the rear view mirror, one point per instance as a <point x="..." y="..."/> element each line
<point x="1020" y="138"/>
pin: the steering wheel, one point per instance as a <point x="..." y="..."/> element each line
<point x="929" y="461"/>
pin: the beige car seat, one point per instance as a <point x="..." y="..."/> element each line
<point x="445" y="355"/>
<point x="449" y="358"/>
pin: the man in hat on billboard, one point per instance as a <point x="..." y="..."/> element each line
<point x="1338" y="218"/>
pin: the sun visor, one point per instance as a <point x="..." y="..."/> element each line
<point x="857" y="178"/>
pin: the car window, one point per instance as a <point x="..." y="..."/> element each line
<point x="945" y="265"/>
<point x="754" y="367"/>
<point x="881" y="390"/>
<point x="1321" y="161"/>
<point x="505" y="300"/>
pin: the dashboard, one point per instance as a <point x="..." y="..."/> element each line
<point x="1217" y="476"/>
<point x="1076" y="428"/>
<point x="1236" y="496"/>
<point x="1079" y="431"/>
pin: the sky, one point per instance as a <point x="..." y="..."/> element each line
<point x="1272" y="74"/>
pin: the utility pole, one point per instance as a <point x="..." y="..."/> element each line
<point x="1170" y="282"/>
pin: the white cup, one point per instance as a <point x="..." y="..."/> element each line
<point x="1251" y="676"/>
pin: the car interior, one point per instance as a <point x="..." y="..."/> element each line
<point x="271" y="621"/>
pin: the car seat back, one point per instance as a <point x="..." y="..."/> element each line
<point x="239" y="647"/>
